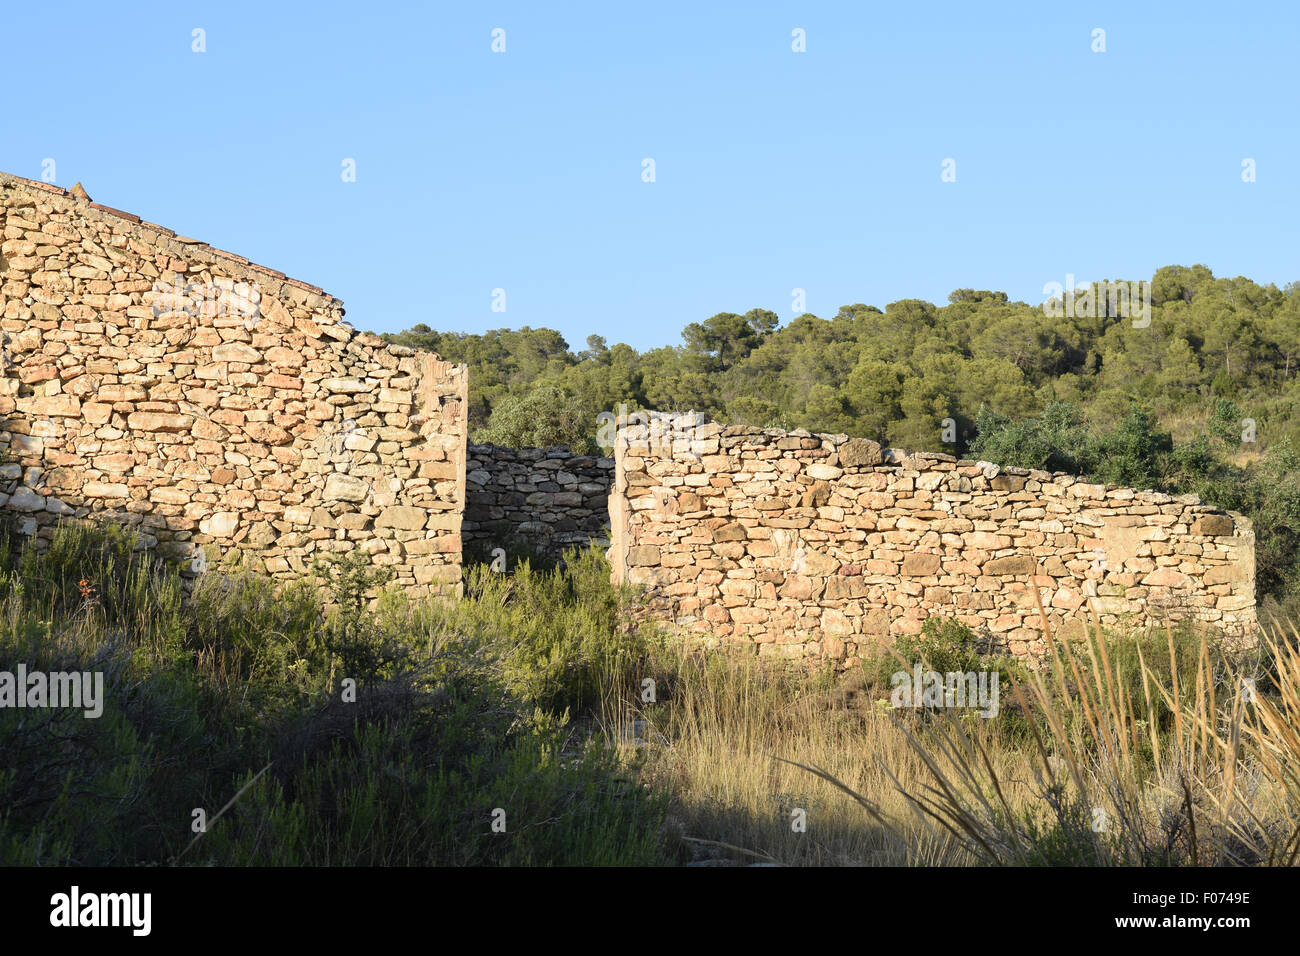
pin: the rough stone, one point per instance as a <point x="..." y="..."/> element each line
<point x="1213" y="525"/>
<point x="120" y="402"/>
<point x="805" y="555"/>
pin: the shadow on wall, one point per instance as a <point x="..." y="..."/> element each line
<point x="503" y="553"/>
<point x="32" y="506"/>
<point x="195" y="396"/>
<point x="534" y="502"/>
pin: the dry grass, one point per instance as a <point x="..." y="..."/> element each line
<point x="1100" y="775"/>
<point x="727" y="741"/>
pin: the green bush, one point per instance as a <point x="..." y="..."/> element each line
<point x="496" y="538"/>
<point x="387" y="796"/>
<point x="203" y="696"/>
<point x="1125" y="649"/>
<point x="543" y="417"/>
<point x="945" y="645"/>
<point x="258" y="631"/>
<point x="562" y="637"/>
<point x="1051" y="442"/>
<point x="100" y="570"/>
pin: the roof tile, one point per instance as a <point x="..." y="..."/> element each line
<point x="116" y="212"/>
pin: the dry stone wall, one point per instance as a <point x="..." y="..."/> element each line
<point x="547" y="499"/>
<point x="212" y="403"/>
<point x="220" y="406"/>
<point x="819" y="545"/>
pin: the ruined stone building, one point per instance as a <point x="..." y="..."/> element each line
<point x="209" y="401"/>
<point x="223" y="409"/>
<point x="822" y="545"/>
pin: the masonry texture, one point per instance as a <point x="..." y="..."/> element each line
<point x="818" y="545"/>
<point x="210" y="402"/>
<point x="546" y="499"/>
<point x="224" y="409"/>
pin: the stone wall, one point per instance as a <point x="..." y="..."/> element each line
<point x="818" y="545"/>
<point x="547" y="499"/>
<point x="210" y="402"/>
<point x="220" y="406"/>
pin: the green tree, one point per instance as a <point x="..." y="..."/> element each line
<point x="1055" y="441"/>
<point x="727" y="338"/>
<point x="544" y="416"/>
<point x="1130" y="454"/>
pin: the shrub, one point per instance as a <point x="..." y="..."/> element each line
<point x="561" y="637"/>
<point x="232" y="690"/>
<point x="945" y="645"/>
<point x="542" y="417"/>
<point x="1050" y="442"/>
<point x="259" y="632"/>
<point x="100" y="569"/>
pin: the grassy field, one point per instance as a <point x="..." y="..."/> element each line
<point x="515" y="727"/>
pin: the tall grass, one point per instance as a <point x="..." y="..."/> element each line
<point x="1199" y="768"/>
<point x="719" y="740"/>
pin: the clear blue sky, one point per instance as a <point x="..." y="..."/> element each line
<point x="775" y="170"/>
